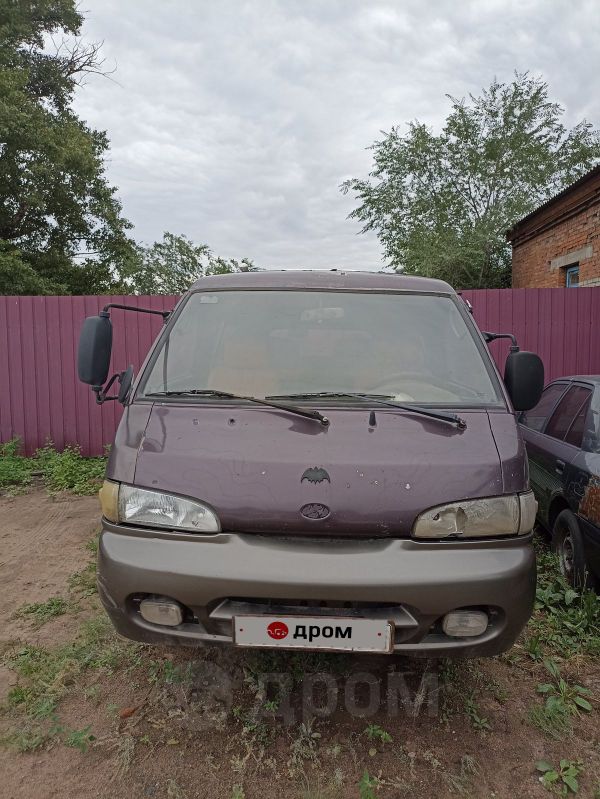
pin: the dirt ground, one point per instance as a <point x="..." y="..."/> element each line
<point x="193" y="723"/>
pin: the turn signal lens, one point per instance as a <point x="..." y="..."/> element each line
<point x="528" y="506"/>
<point x="109" y="500"/>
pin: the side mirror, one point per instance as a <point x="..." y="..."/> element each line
<point x="95" y="345"/>
<point x="524" y="379"/>
<point x="125" y="381"/>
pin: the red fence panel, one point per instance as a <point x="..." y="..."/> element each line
<point x="42" y="399"/>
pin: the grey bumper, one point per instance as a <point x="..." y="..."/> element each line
<point x="414" y="583"/>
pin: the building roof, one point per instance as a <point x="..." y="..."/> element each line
<point x="568" y="202"/>
<point x="321" y="279"/>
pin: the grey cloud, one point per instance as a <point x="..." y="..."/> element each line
<point x="236" y="122"/>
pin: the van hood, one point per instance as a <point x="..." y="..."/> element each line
<point x="266" y="471"/>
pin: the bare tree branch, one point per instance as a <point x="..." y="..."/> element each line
<point x="78" y="59"/>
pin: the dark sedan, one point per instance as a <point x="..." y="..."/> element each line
<point x="562" y="436"/>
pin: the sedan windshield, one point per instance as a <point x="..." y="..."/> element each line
<point x="413" y="348"/>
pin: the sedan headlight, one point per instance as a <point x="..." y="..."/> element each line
<point x="125" y="503"/>
<point x="479" y="518"/>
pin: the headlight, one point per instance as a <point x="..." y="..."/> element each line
<point x="124" y="503"/>
<point x="479" y="518"/>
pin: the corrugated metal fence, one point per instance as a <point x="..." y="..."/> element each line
<point x="42" y="399"/>
<point x="561" y="325"/>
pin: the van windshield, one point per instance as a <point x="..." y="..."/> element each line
<point x="410" y="347"/>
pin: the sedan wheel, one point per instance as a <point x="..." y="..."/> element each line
<point x="565" y="556"/>
<point x="568" y="545"/>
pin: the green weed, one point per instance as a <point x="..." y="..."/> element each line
<point x="59" y="471"/>
<point x="461" y="782"/>
<point x="478" y="722"/>
<point x="563" y="779"/>
<point x="93" y="693"/>
<point x="565" y="620"/>
<point x="572" y="696"/>
<point x="367" y="786"/>
<point x="15" y="470"/>
<point x="41" y="612"/>
<point x="317" y="786"/>
<point x="28" y="738"/>
<point x="304" y="746"/>
<point x="80" y="739"/>
<point x="92" y="545"/>
<point x="69" y="471"/>
<point x="45" y="675"/>
<point x="166" y="671"/>
<point x="533" y="647"/>
<point x="83" y="583"/>
<point x="562" y="702"/>
<point x="449" y="670"/>
<point x="253" y="727"/>
<point x="552" y="718"/>
<point x="376" y="733"/>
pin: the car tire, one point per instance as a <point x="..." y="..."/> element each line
<point x="568" y="545"/>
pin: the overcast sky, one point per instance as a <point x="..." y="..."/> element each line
<point x="235" y="122"/>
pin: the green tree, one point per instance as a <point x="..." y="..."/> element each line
<point x="441" y="204"/>
<point x="171" y="265"/>
<point x="61" y="227"/>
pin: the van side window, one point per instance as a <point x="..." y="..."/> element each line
<point x="536" y="417"/>
<point x="568" y="410"/>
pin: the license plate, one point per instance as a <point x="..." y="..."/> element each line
<point x="314" y="632"/>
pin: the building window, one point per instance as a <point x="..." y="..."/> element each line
<point x="572" y="276"/>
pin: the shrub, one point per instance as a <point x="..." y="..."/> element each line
<point x="69" y="471"/>
<point x="15" y="470"/>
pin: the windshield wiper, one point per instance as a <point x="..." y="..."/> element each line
<point x="382" y="399"/>
<point x="308" y="413"/>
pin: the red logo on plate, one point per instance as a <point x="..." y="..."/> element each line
<point x="277" y="630"/>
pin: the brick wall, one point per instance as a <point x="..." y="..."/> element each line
<point x="541" y="261"/>
<point x="563" y="232"/>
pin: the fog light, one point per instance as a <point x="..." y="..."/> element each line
<point x="161" y="610"/>
<point x="465" y="623"/>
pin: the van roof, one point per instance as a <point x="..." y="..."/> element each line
<point x="323" y="279"/>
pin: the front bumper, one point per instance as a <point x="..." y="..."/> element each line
<point x="413" y="583"/>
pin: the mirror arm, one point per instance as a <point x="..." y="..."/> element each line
<point x="514" y="347"/>
<point x="101" y="391"/>
<point x="105" y="311"/>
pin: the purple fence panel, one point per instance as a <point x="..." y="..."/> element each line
<point x="5" y="402"/>
<point x="42" y="399"/>
<point x="16" y="365"/>
<point x="559" y="324"/>
<point x="593" y="337"/>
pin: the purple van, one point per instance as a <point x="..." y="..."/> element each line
<point x="318" y="460"/>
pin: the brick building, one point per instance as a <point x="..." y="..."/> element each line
<point x="558" y="244"/>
